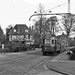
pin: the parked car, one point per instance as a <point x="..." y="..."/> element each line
<point x="72" y="53"/>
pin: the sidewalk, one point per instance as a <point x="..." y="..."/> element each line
<point x="62" y="64"/>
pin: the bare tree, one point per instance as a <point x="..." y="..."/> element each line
<point x="40" y="23"/>
<point x="68" y="21"/>
<point x="2" y="36"/>
<point x="51" y="24"/>
<point x="10" y="27"/>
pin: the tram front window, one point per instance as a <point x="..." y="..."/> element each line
<point x="47" y="42"/>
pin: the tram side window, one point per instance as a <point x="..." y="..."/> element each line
<point x="52" y="42"/>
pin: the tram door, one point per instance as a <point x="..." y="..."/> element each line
<point x="43" y="42"/>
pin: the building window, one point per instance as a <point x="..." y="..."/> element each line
<point x="31" y="37"/>
<point x="26" y="36"/>
<point x="14" y="30"/>
<point x="17" y="37"/>
<point x="13" y="37"/>
<point x="10" y="38"/>
<point x="20" y="37"/>
<point x="26" y="30"/>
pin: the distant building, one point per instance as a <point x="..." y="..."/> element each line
<point x="21" y="32"/>
<point x="2" y="36"/>
<point x="64" y="40"/>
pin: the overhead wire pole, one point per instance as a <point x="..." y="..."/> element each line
<point x="40" y="26"/>
<point x="70" y="15"/>
<point x="68" y="6"/>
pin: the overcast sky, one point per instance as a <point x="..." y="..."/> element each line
<point x="18" y="11"/>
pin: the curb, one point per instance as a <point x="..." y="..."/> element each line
<point x="59" y="71"/>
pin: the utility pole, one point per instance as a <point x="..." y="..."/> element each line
<point x="69" y="11"/>
<point x="40" y="19"/>
<point x="40" y="27"/>
<point x="68" y="6"/>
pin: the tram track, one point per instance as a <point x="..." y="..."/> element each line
<point x="14" y="58"/>
<point x="6" y="64"/>
<point x="44" y="63"/>
<point x="31" y="62"/>
<point x="33" y="69"/>
<point x="15" y="67"/>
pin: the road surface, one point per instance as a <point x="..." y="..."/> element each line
<point x="25" y="63"/>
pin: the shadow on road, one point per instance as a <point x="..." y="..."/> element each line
<point x="39" y="53"/>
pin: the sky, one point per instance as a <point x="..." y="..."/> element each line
<point x="19" y="11"/>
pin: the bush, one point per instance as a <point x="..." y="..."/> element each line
<point x="72" y="56"/>
<point x="5" y="50"/>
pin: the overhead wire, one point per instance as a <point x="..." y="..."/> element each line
<point x="15" y="7"/>
<point x="43" y="12"/>
<point x="56" y="7"/>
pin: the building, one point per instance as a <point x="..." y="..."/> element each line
<point x="21" y="32"/>
<point x="2" y="36"/>
<point x="64" y="40"/>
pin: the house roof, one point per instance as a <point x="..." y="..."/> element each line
<point x="21" y="26"/>
<point x="63" y="35"/>
<point x="20" y="30"/>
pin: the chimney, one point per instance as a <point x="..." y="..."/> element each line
<point x="32" y="27"/>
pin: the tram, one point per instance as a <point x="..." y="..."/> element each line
<point x="50" y="45"/>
